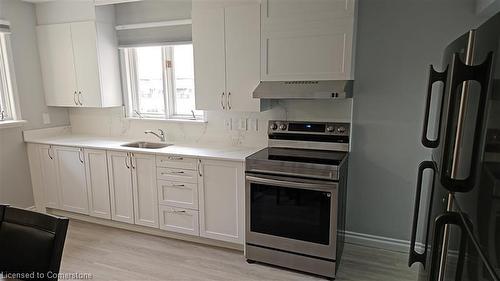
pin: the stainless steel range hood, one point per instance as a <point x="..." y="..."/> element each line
<point x="328" y="89"/>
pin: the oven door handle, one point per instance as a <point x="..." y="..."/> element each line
<point x="319" y="186"/>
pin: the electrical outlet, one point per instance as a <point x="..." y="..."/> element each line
<point x="46" y="118"/>
<point x="228" y="124"/>
<point x="242" y="124"/>
<point x="254" y="124"/>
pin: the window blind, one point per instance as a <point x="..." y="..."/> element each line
<point x="150" y="36"/>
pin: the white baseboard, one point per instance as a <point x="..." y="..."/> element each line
<point x="380" y="242"/>
<point x="31" y="208"/>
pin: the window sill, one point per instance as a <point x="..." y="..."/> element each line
<point x="12" y="124"/>
<point x="197" y="121"/>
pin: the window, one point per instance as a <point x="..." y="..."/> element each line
<point x="7" y="102"/>
<point x="159" y="82"/>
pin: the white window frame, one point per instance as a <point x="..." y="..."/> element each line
<point x="128" y="58"/>
<point x="9" y="104"/>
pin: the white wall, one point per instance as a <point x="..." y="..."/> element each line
<point x="15" y="184"/>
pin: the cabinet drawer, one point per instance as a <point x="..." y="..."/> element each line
<point x="172" y="174"/>
<point x="178" y="162"/>
<point x="179" y="220"/>
<point x="178" y="194"/>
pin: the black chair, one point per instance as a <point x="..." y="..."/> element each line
<point x="31" y="244"/>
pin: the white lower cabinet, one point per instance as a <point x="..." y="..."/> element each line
<point x="120" y="186"/>
<point x="221" y="200"/>
<point x="96" y="167"/>
<point x="145" y="190"/>
<point x="184" y="195"/>
<point x="178" y="194"/>
<point x="72" y="180"/>
<point x="50" y="186"/>
<point x="179" y="220"/>
<point x="134" y="197"/>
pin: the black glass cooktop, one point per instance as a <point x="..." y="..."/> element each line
<point x="300" y="156"/>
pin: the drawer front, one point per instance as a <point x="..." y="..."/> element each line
<point x="178" y="194"/>
<point x="179" y="220"/>
<point x="173" y="174"/>
<point x="178" y="162"/>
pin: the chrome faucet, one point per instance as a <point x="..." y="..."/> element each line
<point x="161" y="135"/>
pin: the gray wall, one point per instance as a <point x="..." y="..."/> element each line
<point x="15" y="184"/>
<point x="397" y="40"/>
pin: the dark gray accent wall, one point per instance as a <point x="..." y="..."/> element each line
<point x="396" y="42"/>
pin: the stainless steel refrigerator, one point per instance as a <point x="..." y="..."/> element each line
<point x="460" y="212"/>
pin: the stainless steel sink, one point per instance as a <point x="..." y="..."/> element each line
<point x="146" y="145"/>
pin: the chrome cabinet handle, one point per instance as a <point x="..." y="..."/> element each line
<point x="171" y="172"/>
<point x="199" y="168"/>
<point x="74" y="98"/>
<point x="175" y="158"/>
<point x="177" y="212"/>
<point x="222" y="101"/>
<point x="126" y="161"/>
<point x="79" y="95"/>
<point x="132" y="158"/>
<point x="229" y="100"/>
<point x="48" y="153"/>
<point x="176" y="185"/>
<point x="80" y="155"/>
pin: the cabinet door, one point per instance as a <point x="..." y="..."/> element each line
<point x="56" y="59"/>
<point x="242" y="25"/>
<point x="71" y="175"/>
<point x="50" y="186"/>
<point x="221" y="201"/>
<point x="96" y="167"/>
<point x="84" y="36"/>
<point x="145" y="190"/>
<point x="209" y="59"/>
<point x="120" y="187"/>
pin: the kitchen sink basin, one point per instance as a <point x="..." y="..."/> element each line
<point x="146" y="145"/>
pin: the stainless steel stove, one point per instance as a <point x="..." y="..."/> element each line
<point x="295" y="197"/>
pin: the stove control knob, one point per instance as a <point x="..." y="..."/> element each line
<point x="330" y="129"/>
<point x="341" y="130"/>
<point x="283" y="127"/>
<point x="274" y="126"/>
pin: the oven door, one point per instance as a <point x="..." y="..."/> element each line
<point x="291" y="214"/>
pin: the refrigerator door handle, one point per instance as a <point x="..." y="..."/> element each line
<point x="434" y="76"/>
<point x="448" y="218"/>
<point x="461" y="73"/>
<point x="414" y="255"/>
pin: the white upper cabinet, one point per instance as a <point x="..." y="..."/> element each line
<point x="226" y="40"/>
<point x="209" y="59"/>
<point x="80" y="66"/>
<point x="307" y="40"/>
<point x="56" y="58"/>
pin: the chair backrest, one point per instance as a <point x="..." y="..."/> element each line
<point x="31" y="244"/>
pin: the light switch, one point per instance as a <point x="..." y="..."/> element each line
<point x="46" y="118"/>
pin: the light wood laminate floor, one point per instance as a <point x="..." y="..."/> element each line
<point x="115" y="254"/>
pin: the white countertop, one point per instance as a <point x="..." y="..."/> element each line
<point x="232" y="153"/>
